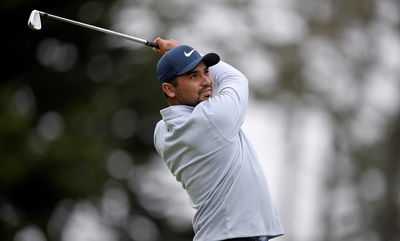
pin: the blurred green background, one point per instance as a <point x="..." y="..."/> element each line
<point x="78" y="109"/>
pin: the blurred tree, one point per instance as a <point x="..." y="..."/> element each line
<point x="69" y="100"/>
<point x="77" y="110"/>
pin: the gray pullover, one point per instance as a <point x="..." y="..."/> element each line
<point x="207" y="152"/>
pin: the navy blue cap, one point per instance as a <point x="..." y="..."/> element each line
<point x="181" y="60"/>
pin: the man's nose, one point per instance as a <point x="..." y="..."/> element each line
<point x="206" y="80"/>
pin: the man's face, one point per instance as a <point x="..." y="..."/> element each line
<point x="191" y="88"/>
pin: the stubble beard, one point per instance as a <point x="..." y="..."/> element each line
<point x="199" y="98"/>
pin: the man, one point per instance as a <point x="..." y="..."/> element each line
<point x="200" y="140"/>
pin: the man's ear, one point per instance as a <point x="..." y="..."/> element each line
<point x="168" y="89"/>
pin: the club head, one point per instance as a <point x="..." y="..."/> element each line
<point x="34" y="20"/>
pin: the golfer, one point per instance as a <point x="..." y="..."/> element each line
<point x="201" y="141"/>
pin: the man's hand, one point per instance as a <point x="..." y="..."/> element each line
<point x="164" y="45"/>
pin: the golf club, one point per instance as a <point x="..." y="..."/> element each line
<point x="35" y="23"/>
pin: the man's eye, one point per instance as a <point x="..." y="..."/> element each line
<point x="192" y="76"/>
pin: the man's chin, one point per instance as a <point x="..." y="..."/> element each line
<point x="205" y="98"/>
<point x="199" y="100"/>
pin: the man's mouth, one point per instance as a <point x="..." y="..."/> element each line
<point x="206" y="91"/>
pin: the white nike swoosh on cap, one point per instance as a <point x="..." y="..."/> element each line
<point x="188" y="54"/>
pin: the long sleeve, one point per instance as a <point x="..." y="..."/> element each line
<point x="227" y="108"/>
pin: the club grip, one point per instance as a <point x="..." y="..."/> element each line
<point x="152" y="44"/>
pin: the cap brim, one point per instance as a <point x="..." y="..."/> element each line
<point x="208" y="59"/>
<point x="211" y="59"/>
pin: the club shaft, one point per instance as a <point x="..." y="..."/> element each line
<point x="103" y="30"/>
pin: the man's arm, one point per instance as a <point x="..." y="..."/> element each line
<point x="227" y="109"/>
